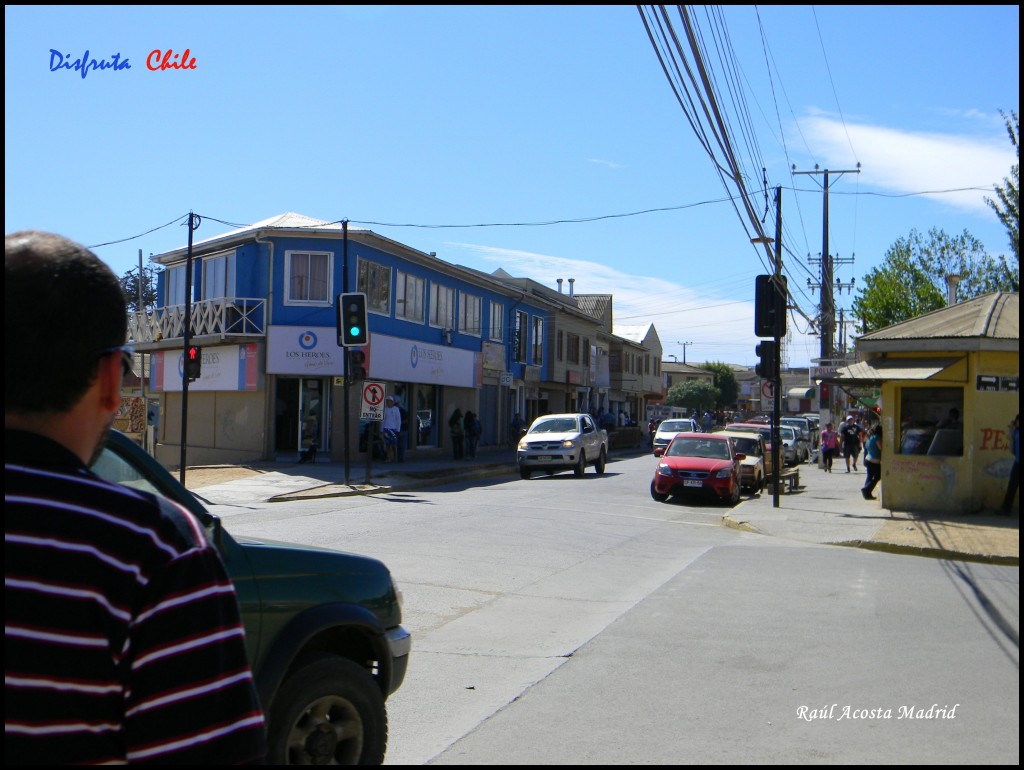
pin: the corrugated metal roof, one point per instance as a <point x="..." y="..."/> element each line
<point x="993" y="316"/>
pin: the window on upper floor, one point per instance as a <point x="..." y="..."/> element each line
<point x="307" y="277"/>
<point x="537" y="342"/>
<point x="573" y="348"/>
<point x="374" y="281"/>
<point x="176" y="285"/>
<point x="409" y="293"/>
<point x="219" y="276"/>
<point x="586" y="352"/>
<point x="442" y="306"/>
<point x="469" y="314"/>
<point x="559" y="345"/>
<point x="497" y="322"/>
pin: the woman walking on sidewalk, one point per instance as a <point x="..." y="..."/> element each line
<point x="872" y="462"/>
<point x="829" y="444"/>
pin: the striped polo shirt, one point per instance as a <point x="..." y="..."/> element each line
<point x="122" y="635"/>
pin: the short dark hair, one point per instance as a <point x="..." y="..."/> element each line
<point x="63" y="307"/>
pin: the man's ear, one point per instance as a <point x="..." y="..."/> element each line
<point x="108" y="379"/>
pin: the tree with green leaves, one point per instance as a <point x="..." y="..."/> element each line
<point x="725" y="381"/>
<point x="693" y="394"/>
<point x="912" y="278"/>
<point x="130" y="287"/>
<point x="1007" y="207"/>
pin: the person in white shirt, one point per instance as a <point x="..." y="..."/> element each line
<point x="390" y="427"/>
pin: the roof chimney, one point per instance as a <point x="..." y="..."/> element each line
<point x="571" y="282"/>
<point x="559" y="285"/>
<point x="951" y="283"/>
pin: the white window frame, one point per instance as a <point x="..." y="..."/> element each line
<point x="497" y="322"/>
<point x="442" y="306"/>
<point x="470" y="308"/>
<point x="175" y="285"/>
<point x="219" y="276"/>
<point x="409" y="296"/>
<point x="323" y="294"/>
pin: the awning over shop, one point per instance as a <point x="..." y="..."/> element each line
<point x="879" y="370"/>
<point x="803" y="391"/>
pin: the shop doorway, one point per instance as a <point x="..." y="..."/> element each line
<point x="423" y="416"/>
<point x="301" y="415"/>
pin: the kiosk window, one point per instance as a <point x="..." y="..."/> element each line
<point x="931" y="421"/>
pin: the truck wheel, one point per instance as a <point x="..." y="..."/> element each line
<point x="602" y="460"/>
<point x="581" y="466"/>
<point x="331" y="711"/>
<point x="524" y="472"/>
<point x="658" y="496"/>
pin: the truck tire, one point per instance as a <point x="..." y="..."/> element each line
<point x="330" y="711"/>
<point x="602" y="460"/>
<point x="524" y="472"/>
<point x="581" y="466"/>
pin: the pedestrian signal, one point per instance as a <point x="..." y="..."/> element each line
<point x="193" y="362"/>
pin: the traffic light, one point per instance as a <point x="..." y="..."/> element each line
<point x="771" y="295"/>
<point x="193" y="362"/>
<point x="357" y="365"/>
<point x="766" y="352"/>
<point x="352" y="329"/>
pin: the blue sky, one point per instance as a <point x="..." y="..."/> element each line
<point x="475" y="124"/>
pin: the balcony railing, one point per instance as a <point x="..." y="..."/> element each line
<point x="224" y="316"/>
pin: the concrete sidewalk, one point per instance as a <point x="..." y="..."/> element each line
<point x="826" y="508"/>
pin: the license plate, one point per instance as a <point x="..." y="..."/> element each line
<point x="692" y="483"/>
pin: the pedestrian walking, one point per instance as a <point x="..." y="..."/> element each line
<point x="849" y="436"/>
<point x="872" y="462"/>
<point x="829" y="445"/>
<point x="124" y="641"/>
<point x="390" y="427"/>
<point x="458" y="434"/>
<point x="1011" y="486"/>
<point x="471" y="428"/>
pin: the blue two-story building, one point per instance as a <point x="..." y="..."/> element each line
<point x="273" y="374"/>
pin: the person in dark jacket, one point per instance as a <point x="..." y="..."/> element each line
<point x="458" y="433"/>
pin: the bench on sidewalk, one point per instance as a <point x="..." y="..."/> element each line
<point x="789" y="480"/>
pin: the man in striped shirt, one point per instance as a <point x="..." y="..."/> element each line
<point x="122" y="635"/>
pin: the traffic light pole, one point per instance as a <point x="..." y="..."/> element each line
<point x="193" y="223"/>
<point x="348" y="353"/>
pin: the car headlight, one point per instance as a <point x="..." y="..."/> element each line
<point x="724" y="473"/>
<point x="570" y="443"/>
<point x="524" y="445"/>
<point x="664" y="470"/>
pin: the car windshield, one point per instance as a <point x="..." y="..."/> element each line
<point x="699" y="447"/>
<point x="747" y="446"/>
<point x="556" y="425"/>
<point x="787" y="433"/>
<point x="675" y="426"/>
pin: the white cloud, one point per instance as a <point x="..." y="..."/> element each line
<point x="913" y="162"/>
<point x="719" y="326"/>
<point x="608" y="163"/>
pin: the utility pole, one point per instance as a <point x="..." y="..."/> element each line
<point x="828" y="308"/>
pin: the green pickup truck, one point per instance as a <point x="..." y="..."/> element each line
<point x="323" y="629"/>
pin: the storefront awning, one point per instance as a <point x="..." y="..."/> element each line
<point x="803" y="391"/>
<point x="878" y="370"/>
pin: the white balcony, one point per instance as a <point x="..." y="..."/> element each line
<point x="224" y="317"/>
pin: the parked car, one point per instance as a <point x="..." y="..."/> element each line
<point x="752" y="467"/>
<point x="323" y="628"/>
<point x="787" y="452"/>
<point x="806" y="428"/>
<point x="668" y="429"/>
<point x="699" y="465"/>
<point x="563" y="442"/>
<point x="795" y="448"/>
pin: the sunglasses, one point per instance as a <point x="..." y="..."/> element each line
<point x="127" y="354"/>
